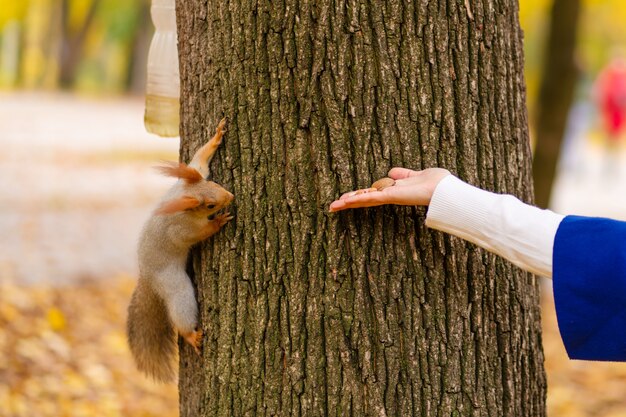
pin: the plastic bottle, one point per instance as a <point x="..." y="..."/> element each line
<point x="162" y="115"/>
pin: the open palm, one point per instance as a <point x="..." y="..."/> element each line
<point x="411" y="188"/>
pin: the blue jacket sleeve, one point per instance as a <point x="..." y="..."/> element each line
<point x="589" y="273"/>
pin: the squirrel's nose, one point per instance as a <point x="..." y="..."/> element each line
<point x="230" y="196"/>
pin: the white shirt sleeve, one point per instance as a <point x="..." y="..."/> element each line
<point x="500" y="223"/>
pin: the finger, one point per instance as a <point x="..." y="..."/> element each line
<point x="356" y="192"/>
<point x="340" y="205"/>
<point x="368" y="199"/>
<point x="400" y="173"/>
<point x="337" y="206"/>
<point x="348" y="194"/>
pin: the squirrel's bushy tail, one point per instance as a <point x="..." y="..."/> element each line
<point x="151" y="335"/>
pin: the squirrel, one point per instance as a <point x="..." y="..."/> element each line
<point x="164" y="300"/>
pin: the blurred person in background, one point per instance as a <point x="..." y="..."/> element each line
<point x="610" y="96"/>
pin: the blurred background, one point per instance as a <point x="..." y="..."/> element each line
<point x="76" y="185"/>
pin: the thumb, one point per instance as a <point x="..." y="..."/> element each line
<point x="399" y="173"/>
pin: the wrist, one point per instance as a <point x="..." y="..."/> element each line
<point x="438" y="178"/>
<point x="500" y="223"/>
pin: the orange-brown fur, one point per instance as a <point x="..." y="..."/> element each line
<point x="182" y="171"/>
<point x="178" y="204"/>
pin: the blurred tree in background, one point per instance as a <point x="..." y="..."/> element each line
<point x="71" y="32"/>
<point x="567" y="44"/>
<point x="556" y="94"/>
<point x="90" y="45"/>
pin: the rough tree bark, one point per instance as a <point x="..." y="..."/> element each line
<point x="365" y="312"/>
<point x="558" y="83"/>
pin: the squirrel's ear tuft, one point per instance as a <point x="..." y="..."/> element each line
<point x="179" y="204"/>
<point x="182" y="171"/>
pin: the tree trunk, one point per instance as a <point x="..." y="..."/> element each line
<point x="365" y="312"/>
<point x="556" y="94"/>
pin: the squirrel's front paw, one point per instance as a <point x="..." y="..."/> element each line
<point x="222" y="219"/>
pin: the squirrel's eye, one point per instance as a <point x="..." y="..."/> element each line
<point x="210" y="206"/>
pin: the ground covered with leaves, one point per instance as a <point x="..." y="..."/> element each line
<point x="579" y="388"/>
<point x="64" y="353"/>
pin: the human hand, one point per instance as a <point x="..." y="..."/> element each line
<point x="411" y="188"/>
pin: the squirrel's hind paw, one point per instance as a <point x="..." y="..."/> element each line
<point x="194" y="339"/>
<point x="221" y="127"/>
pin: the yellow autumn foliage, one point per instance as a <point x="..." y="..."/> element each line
<point x="63" y="352"/>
